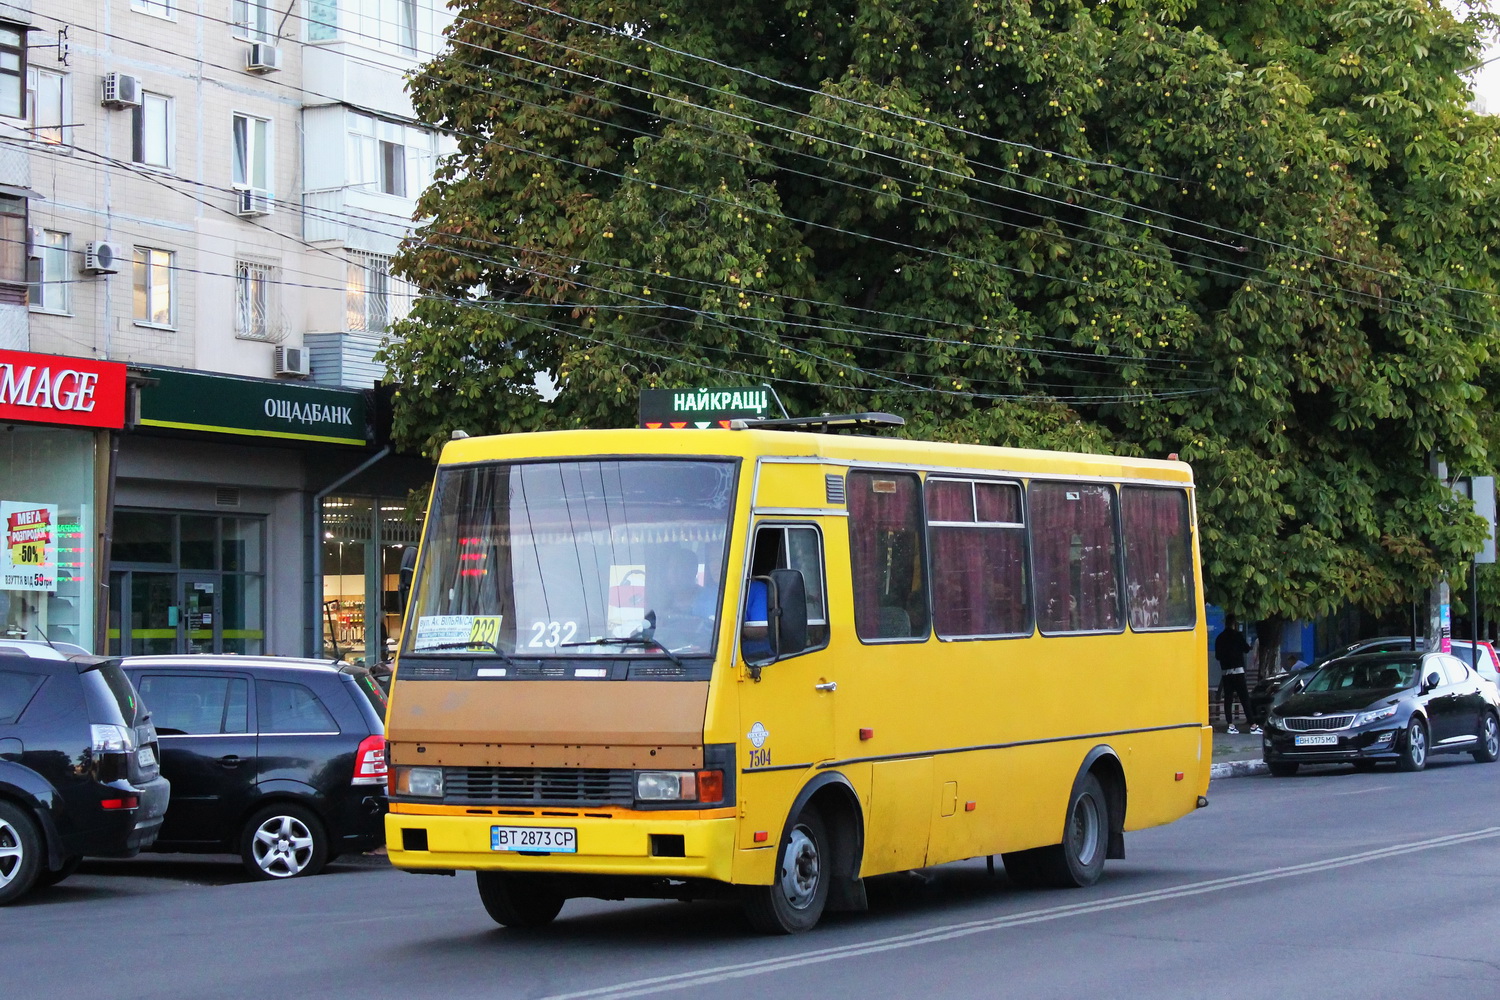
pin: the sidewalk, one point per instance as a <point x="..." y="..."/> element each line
<point x="1236" y="756"/>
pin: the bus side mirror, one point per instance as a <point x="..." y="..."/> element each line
<point x="775" y="622"/>
<point x="786" y="610"/>
<point x="403" y="582"/>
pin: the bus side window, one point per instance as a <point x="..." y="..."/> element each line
<point x="886" y="558"/>
<point x="1158" y="557"/>
<point x="1074" y="557"/>
<point x="797" y="547"/>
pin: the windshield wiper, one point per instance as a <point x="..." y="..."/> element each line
<point x="634" y="640"/>
<point x="469" y="645"/>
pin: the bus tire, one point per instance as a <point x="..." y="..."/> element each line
<point x="794" y="902"/>
<point x="1079" y="860"/>
<point x="517" y="901"/>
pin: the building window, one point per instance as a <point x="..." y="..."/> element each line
<point x="252" y="153"/>
<point x="389" y="157"/>
<point x="156" y="8"/>
<point x="374" y="298"/>
<point x="47" y="103"/>
<point x="253" y="318"/>
<point x="12" y="242"/>
<point x="153" y="286"/>
<point x="49" y="293"/>
<point x="12" y="71"/>
<point x="153" y="131"/>
<point x="254" y="20"/>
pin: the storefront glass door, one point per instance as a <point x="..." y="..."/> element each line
<point x="187" y="583"/>
<point x="200" y="619"/>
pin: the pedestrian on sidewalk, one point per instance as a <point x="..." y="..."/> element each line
<point x="1230" y="649"/>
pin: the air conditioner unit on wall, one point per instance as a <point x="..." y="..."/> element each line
<point x="100" y="257"/>
<point x="292" y="362"/>
<point x="117" y="90"/>
<point x="248" y="204"/>
<point x="262" y="58"/>
<point x="36" y="243"/>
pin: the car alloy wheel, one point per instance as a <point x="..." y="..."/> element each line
<point x="284" y="842"/>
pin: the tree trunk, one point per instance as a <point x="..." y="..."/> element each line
<point x="1268" y="646"/>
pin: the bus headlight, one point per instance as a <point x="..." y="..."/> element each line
<point x="703" y="787"/>
<point x="666" y="786"/>
<point x="424" y="782"/>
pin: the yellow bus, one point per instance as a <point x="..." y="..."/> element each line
<point x="770" y="661"/>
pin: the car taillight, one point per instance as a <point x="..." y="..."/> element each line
<point x="126" y="802"/>
<point x="369" y="761"/>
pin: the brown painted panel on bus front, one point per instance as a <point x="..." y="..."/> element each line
<point x="683" y="758"/>
<point x="549" y="723"/>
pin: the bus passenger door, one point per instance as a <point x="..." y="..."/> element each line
<point x="787" y="714"/>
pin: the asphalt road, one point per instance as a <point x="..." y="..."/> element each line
<point x="1331" y="884"/>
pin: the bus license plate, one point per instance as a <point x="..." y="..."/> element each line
<point x="1317" y="740"/>
<point x="549" y="839"/>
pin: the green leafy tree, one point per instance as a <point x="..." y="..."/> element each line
<point x="1252" y="234"/>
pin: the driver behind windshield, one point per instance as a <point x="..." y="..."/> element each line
<point x="684" y="608"/>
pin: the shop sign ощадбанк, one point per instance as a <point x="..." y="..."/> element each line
<point x="230" y="404"/>
<point x="28" y="557"/>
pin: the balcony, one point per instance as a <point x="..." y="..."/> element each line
<point x="345" y="72"/>
<point x="346" y="359"/>
<point x="356" y="218"/>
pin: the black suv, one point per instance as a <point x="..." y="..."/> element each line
<point x="78" y="766"/>
<point x="279" y="760"/>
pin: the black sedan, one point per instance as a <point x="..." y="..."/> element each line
<point x="1401" y="707"/>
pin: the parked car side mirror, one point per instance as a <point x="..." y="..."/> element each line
<point x="1431" y="681"/>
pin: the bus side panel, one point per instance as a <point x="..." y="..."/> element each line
<point x="900" y="815"/>
<point x="1152" y="765"/>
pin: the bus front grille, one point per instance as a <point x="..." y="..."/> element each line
<point x="545" y="786"/>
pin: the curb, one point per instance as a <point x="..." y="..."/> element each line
<point x="1236" y="769"/>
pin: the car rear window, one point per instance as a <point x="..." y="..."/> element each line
<point x="111" y="696"/>
<point x="16" y="689"/>
<point x="372" y="692"/>
<point x="292" y="708"/>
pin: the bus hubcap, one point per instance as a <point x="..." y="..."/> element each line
<point x="799" y="869"/>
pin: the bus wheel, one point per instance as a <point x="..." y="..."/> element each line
<point x="1079" y="860"/>
<point x="517" y="901"/>
<point x="795" y="901"/>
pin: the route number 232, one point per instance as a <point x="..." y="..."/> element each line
<point x="552" y="633"/>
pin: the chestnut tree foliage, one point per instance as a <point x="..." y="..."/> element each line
<point x="1252" y="233"/>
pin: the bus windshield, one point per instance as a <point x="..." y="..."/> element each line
<point x="573" y="557"/>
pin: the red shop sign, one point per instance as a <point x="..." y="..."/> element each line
<point x="47" y="389"/>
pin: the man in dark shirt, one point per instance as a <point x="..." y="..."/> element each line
<point x="1230" y="649"/>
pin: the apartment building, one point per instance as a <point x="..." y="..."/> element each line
<point x="199" y="200"/>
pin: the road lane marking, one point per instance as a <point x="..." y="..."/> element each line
<point x="708" y="976"/>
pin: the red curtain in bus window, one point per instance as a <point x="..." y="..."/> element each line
<point x="1073" y="550"/>
<point x="1158" y="557"/>
<point x="978" y="567"/>
<point x="958" y="559"/>
<point x="885" y="555"/>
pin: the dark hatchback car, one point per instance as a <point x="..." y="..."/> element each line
<point x="278" y="760"/>
<point x="1400" y="707"/>
<point x="78" y="766"/>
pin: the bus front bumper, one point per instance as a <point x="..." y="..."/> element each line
<point x="622" y="844"/>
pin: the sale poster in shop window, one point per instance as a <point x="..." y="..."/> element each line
<point x="28" y="556"/>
